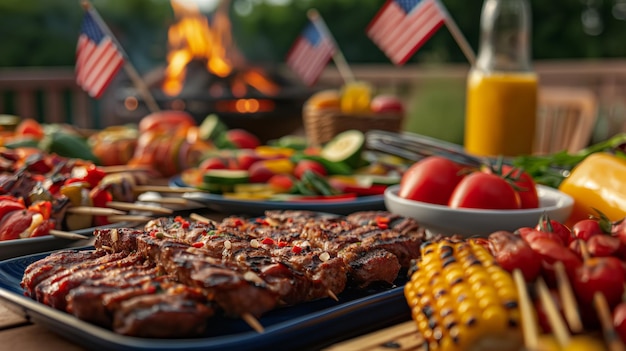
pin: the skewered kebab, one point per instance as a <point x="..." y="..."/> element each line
<point x="243" y="279"/>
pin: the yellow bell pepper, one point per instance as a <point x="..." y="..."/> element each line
<point x="597" y="182"/>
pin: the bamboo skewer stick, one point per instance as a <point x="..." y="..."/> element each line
<point x="529" y="324"/>
<point x="253" y="322"/>
<point x="168" y="201"/>
<point x="129" y="218"/>
<point x="163" y="189"/>
<point x="67" y="235"/>
<point x="95" y="211"/>
<point x="570" y="306"/>
<point x="557" y="324"/>
<point x="127" y="206"/>
<point x="612" y="340"/>
<point x="125" y="168"/>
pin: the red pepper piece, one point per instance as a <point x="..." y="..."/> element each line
<point x="100" y="196"/>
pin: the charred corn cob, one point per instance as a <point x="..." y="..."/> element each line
<point x="460" y="298"/>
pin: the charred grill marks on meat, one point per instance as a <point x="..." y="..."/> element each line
<point x="167" y="279"/>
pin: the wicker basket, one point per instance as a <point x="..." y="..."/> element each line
<point x="321" y="125"/>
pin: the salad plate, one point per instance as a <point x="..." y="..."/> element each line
<point x="341" y="206"/>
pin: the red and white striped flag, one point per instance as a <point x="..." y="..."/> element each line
<point x="402" y="26"/>
<point x="310" y="53"/>
<point x="98" y="59"/>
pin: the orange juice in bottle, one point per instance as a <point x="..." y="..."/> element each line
<point x="500" y="114"/>
<point x="501" y="105"/>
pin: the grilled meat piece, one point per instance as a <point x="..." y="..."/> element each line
<point x="56" y="262"/>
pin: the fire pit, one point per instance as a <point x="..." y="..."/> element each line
<point x="207" y="74"/>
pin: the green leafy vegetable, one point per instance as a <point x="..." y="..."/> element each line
<point x="551" y="169"/>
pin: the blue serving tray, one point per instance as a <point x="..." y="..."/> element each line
<point x="308" y="326"/>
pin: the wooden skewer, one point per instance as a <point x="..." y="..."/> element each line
<point x="138" y="207"/>
<point x="332" y="295"/>
<point x="125" y="168"/>
<point x="129" y="218"/>
<point x="612" y="340"/>
<point x="253" y="322"/>
<point x="557" y="324"/>
<point x="529" y="324"/>
<point x="200" y="218"/>
<point x="163" y="189"/>
<point x="168" y="201"/>
<point x="570" y="306"/>
<point x="67" y="235"/>
<point x="95" y="211"/>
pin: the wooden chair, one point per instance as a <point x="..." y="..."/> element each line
<point x="565" y="119"/>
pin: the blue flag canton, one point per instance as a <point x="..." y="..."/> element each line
<point x="407" y="5"/>
<point x="91" y="29"/>
<point x="312" y="35"/>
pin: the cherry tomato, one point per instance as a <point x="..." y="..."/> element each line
<point x="281" y="182"/>
<point x="29" y="127"/>
<point x="432" y="180"/>
<point x="525" y="186"/>
<point x="553" y="226"/>
<point x="484" y="191"/>
<point x="305" y="165"/>
<point x="552" y="251"/>
<point x="534" y="234"/>
<point x="512" y="252"/>
<point x="604" y="245"/>
<point x="239" y="139"/>
<point x="586" y="228"/>
<point x="599" y="274"/>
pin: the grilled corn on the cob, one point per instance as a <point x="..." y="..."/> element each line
<point x="460" y="298"/>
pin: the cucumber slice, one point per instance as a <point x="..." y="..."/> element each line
<point x="345" y="147"/>
<point x="211" y="127"/>
<point x="226" y="176"/>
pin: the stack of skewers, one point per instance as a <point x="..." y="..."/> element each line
<point x="44" y="194"/>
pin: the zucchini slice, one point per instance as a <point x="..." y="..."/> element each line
<point x="226" y="176"/>
<point x="345" y="147"/>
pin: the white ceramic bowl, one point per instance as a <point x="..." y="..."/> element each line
<point x="474" y="222"/>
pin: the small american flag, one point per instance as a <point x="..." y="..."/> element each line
<point x="310" y="53"/>
<point x="403" y="26"/>
<point x="98" y="59"/>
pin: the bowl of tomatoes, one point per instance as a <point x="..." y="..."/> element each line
<point x="449" y="198"/>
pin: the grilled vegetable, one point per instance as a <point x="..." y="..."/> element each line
<point x="461" y="299"/>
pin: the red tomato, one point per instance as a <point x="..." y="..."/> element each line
<point x="281" y="182"/>
<point x="213" y="163"/>
<point x="512" y="252"/>
<point x="29" y="127"/>
<point x="553" y="226"/>
<point x="241" y="139"/>
<point x="599" y="274"/>
<point x="534" y="234"/>
<point x="586" y="228"/>
<point x="525" y="186"/>
<point x="604" y="246"/>
<point x="309" y="165"/>
<point x="619" y="320"/>
<point x="166" y="121"/>
<point x="431" y="180"/>
<point x="484" y="191"/>
<point x="552" y="251"/>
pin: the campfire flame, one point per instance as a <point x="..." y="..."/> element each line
<point x="193" y="37"/>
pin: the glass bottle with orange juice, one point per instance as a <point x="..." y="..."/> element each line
<point x="501" y="106"/>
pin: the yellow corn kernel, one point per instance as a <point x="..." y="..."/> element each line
<point x="458" y="296"/>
